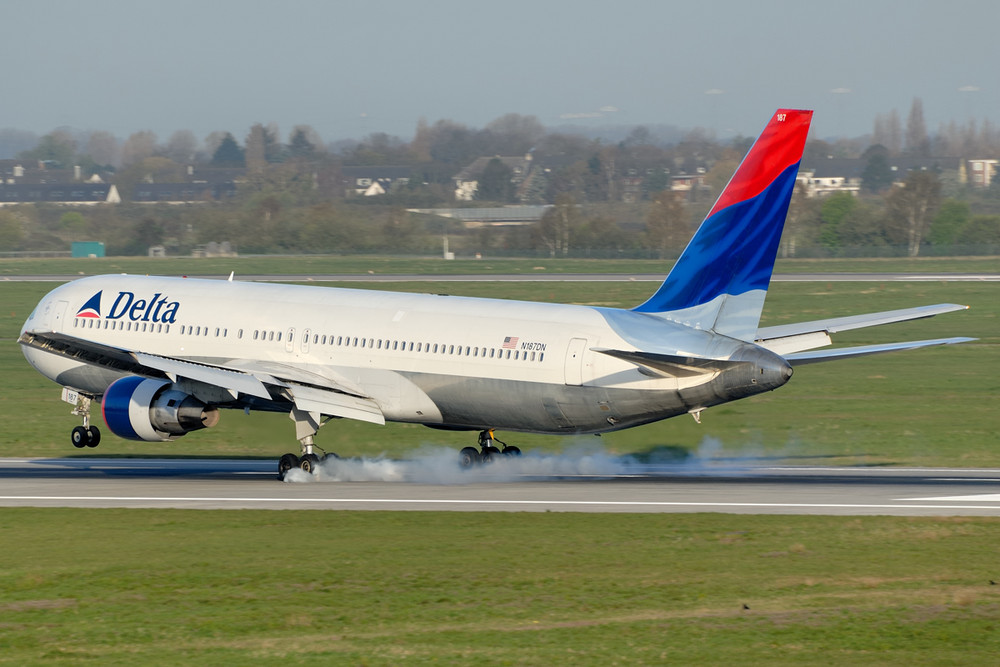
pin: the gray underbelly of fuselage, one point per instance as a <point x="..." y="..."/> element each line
<point x="482" y="403"/>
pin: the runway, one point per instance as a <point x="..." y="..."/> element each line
<point x="215" y="484"/>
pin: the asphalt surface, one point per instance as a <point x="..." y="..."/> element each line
<point x="531" y="486"/>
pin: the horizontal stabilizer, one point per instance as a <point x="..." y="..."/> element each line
<point x="838" y="324"/>
<point x="671" y="365"/>
<point x="801" y="358"/>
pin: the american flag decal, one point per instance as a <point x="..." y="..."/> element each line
<point x="510" y="342"/>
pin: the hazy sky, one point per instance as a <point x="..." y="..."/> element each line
<point x="352" y="68"/>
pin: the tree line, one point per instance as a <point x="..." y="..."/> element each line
<point x="606" y="197"/>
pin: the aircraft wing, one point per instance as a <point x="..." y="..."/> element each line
<point x="309" y="392"/>
<point x="232" y="381"/>
<point x="789" y="339"/>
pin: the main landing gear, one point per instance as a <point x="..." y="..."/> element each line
<point x="86" y="435"/>
<point x="487" y="452"/>
<point x="306" y="425"/>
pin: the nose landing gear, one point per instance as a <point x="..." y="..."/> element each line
<point x="86" y="435"/>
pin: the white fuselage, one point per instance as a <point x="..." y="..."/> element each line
<point x="438" y="360"/>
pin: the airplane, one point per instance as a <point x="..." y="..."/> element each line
<point x="162" y="355"/>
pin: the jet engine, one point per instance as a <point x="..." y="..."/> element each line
<point x="138" y="408"/>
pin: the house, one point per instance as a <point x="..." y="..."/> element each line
<point x="203" y="184"/>
<point x="831" y="175"/>
<point x="467" y="180"/>
<point x="69" y="194"/>
<point x="980" y="172"/>
<point x="827" y="176"/>
<point x="373" y="181"/>
<point x="36" y="183"/>
<point x="183" y="193"/>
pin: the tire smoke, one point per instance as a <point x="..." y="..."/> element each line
<point x="439" y="465"/>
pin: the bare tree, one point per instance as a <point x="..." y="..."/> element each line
<point x="255" y="152"/>
<point x="139" y="146"/>
<point x="894" y="133"/>
<point x="518" y="133"/>
<point x="181" y="147"/>
<point x="666" y="223"/>
<point x="558" y="223"/>
<point x="911" y="208"/>
<point x="102" y="147"/>
<point x="917" y="142"/>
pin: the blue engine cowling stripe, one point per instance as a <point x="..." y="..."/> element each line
<point x="115" y="406"/>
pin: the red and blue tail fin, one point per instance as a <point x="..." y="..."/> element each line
<point x="720" y="280"/>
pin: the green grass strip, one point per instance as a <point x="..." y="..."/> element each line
<point x="165" y="587"/>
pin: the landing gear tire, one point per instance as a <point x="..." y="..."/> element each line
<point x="511" y="451"/>
<point x="468" y="457"/>
<point x="93" y="436"/>
<point x="309" y="463"/>
<point x="286" y="463"/>
<point x="79" y="437"/>
<point x="490" y="454"/>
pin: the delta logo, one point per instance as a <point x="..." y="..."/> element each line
<point x="155" y="309"/>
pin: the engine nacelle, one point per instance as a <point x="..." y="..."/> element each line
<point x="153" y="410"/>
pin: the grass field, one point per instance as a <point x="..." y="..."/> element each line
<point x="926" y="407"/>
<point x="126" y="587"/>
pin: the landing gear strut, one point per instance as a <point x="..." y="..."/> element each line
<point x="86" y="435"/>
<point x="488" y="450"/>
<point x="306" y="426"/>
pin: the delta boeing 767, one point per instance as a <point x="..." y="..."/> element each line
<point x="161" y="356"/>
